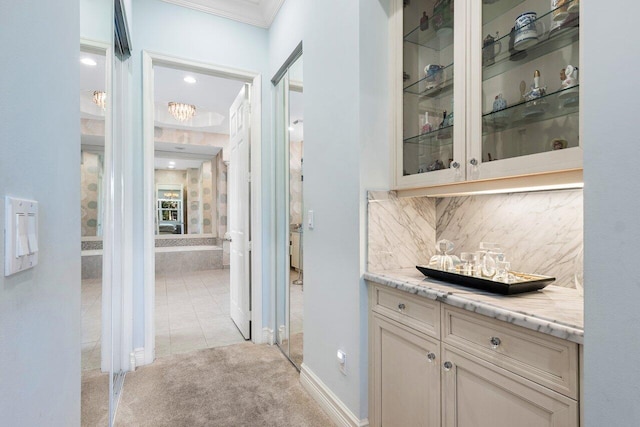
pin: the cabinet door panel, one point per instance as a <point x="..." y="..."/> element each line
<point x="524" y="116"/>
<point x="431" y="56"/>
<point x="478" y="394"/>
<point x="406" y="383"/>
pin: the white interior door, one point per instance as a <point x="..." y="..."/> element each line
<point x="239" y="211"/>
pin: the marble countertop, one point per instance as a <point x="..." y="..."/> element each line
<point x="555" y="310"/>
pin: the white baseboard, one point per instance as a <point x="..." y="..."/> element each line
<point x="332" y="405"/>
<point x="139" y="353"/>
<point x="267" y="336"/>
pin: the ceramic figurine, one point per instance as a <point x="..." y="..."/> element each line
<point x="569" y="77"/>
<point x="489" y="49"/>
<point x="434" y="75"/>
<point x="424" y="22"/>
<point x="535" y="91"/>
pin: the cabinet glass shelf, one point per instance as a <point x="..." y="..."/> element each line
<point x="491" y="11"/>
<point x="422" y="89"/>
<point x="551" y="106"/>
<point x="565" y="35"/>
<point x="429" y="38"/>
<point x="436" y="138"/>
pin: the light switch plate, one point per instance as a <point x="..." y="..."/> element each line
<point x="20" y="235"/>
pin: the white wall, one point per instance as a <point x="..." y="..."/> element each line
<point x="168" y="29"/>
<point x="39" y="158"/>
<point x="611" y="204"/>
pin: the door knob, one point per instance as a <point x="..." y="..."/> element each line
<point x="447" y="366"/>
<point x="495" y="342"/>
<point x="473" y="162"/>
<point x="431" y="357"/>
<point x="455" y="165"/>
<point x="401" y="307"/>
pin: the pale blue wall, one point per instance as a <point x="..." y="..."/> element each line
<point x="95" y="20"/>
<point x="168" y="29"/>
<point x="610" y="105"/>
<point x="285" y="33"/>
<point x="39" y="158"/>
<point x="346" y="152"/>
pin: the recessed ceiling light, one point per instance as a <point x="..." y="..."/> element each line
<point x="172" y="166"/>
<point x="190" y="79"/>
<point x="89" y="61"/>
<point x="172" y="163"/>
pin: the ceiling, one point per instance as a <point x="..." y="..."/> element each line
<point x="211" y="95"/>
<point x="260" y="13"/>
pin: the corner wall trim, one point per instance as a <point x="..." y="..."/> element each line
<point x="329" y="402"/>
<point x="267" y="336"/>
<point x="139" y="353"/>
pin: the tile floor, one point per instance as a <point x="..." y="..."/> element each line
<point x="192" y="312"/>
<point x="91" y="323"/>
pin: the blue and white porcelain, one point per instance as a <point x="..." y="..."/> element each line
<point x="434" y="75"/>
<point x="527" y="30"/>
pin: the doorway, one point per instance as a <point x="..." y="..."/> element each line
<point x="191" y="282"/>
<point x="289" y="123"/>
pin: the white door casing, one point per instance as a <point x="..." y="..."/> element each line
<point x="239" y="209"/>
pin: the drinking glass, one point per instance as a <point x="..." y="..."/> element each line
<point x="443" y="261"/>
<point x="502" y="271"/>
<point x="469" y="260"/>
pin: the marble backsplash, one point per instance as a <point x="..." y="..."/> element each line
<point x="540" y="232"/>
<point x="401" y="231"/>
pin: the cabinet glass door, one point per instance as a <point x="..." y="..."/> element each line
<point x="430" y="141"/>
<point x="529" y="57"/>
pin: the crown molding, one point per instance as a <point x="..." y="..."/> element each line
<point x="259" y="13"/>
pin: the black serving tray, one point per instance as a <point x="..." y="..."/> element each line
<point x="530" y="282"/>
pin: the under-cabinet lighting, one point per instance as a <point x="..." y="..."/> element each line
<point x="548" y="187"/>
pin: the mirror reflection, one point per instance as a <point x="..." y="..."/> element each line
<point x="92" y="148"/>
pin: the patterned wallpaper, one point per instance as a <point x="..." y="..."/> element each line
<point x="207" y="197"/>
<point x="221" y="191"/>
<point x="90" y="176"/>
<point x="194" y="198"/>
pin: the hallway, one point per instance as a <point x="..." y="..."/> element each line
<point x="238" y="385"/>
<point x="192" y="312"/>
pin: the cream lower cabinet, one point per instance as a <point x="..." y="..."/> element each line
<point x="406" y="375"/>
<point x="435" y="365"/>
<point x="476" y="393"/>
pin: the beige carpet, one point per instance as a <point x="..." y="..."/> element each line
<point x="295" y="349"/>
<point x="94" y="406"/>
<point x="239" y="385"/>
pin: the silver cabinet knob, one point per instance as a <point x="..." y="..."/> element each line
<point x="401" y="306"/>
<point x="447" y="366"/>
<point x="495" y="342"/>
<point x="431" y="357"/>
<point x="473" y="162"/>
<point x="455" y="165"/>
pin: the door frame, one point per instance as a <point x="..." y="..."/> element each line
<point x="149" y="60"/>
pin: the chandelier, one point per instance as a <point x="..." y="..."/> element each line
<point x="99" y="98"/>
<point x="182" y="111"/>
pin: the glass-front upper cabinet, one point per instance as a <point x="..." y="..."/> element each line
<point x="525" y="78"/>
<point x="433" y="80"/>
